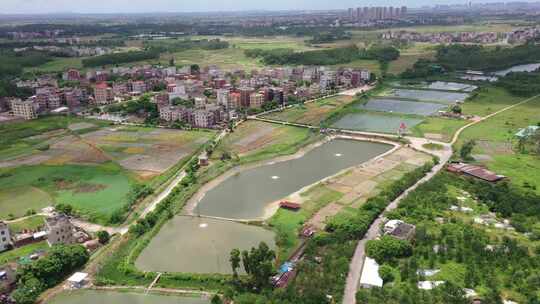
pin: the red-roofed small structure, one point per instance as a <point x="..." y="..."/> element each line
<point x="290" y="205"/>
<point x="475" y="171"/>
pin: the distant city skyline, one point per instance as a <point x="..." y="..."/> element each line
<point x="145" y="6"/>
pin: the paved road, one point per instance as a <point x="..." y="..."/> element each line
<point x="355" y="268"/>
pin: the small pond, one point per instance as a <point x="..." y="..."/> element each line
<point x="402" y="106"/>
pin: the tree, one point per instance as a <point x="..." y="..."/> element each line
<point x="453" y="294"/>
<point x="103" y="237"/>
<point x="258" y="264"/>
<point x="64" y="208"/>
<point x="388" y="248"/>
<point x="216" y="300"/>
<point x="386" y="272"/>
<point x="456" y="109"/>
<point x="466" y="149"/>
<point x="235" y="261"/>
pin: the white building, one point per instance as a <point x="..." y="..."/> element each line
<point x="26" y="109"/>
<point x="370" y="274"/>
<point x="5" y="238"/>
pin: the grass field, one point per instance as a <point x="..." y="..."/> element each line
<point x="254" y="140"/>
<point x="488" y="100"/>
<point x="497" y="145"/>
<point x="231" y="58"/>
<point x="439" y="128"/>
<point x="312" y="113"/>
<point x="15" y="254"/>
<point x="87" y="164"/>
<point x="31" y="223"/>
<point x="97" y="191"/>
<point x="57" y="65"/>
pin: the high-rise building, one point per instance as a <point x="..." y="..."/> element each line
<point x="245" y="93"/>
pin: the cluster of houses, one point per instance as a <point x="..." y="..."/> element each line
<point x="69" y="51"/>
<point x="57" y="229"/>
<point x="514" y="37"/>
<point x="370" y="269"/>
<point x="202" y="98"/>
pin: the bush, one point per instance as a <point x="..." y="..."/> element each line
<point x="103" y="237"/>
<point x="387" y="249"/>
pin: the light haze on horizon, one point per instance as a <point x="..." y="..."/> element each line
<point x="148" y="6"/>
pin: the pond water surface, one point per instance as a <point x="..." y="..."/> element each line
<point x="247" y="194"/>
<point x="519" y="68"/>
<point x="425" y="95"/>
<point x="199" y="245"/>
<point x="402" y="106"/>
<point x="373" y="122"/>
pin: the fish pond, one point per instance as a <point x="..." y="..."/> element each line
<point x="519" y="68"/>
<point x="199" y="245"/>
<point x="373" y="122"/>
<point x="447" y="98"/>
<point x="401" y="106"/>
<point x="248" y="194"/>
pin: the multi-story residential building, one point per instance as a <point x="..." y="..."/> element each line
<point x="365" y="75"/>
<point x="223" y="97"/>
<point x="245" y="93"/>
<point x="120" y="88"/>
<point x="72" y="75"/>
<point x="234" y="101"/>
<point x="138" y="87"/>
<point x="256" y="100"/>
<point x="59" y="230"/>
<point x="203" y="119"/>
<point x="103" y="94"/>
<point x="26" y="109"/>
<point x="5" y="238"/>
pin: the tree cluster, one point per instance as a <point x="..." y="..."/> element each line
<point x="48" y="271"/>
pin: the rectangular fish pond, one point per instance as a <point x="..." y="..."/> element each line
<point x="373" y="122"/>
<point x="113" y="297"/>
<point x="199" y="245"/>
<point x="402" y="106"/>
<point x="447" y="98"/>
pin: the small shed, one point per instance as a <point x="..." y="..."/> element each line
<point x="370" y="274"/>
<point x="203" y="159"/>
<point x="290" y="205"/>
<point x="78" y="279"/>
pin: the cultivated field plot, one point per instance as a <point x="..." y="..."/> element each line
<point x="87" y="164"/>
<point x="312" y="113"/>
<point x="374" y="122"/>
<point x="258" y="137"/>
<point x="401" y="106"/>
<point x="425" y="95"/>
<point x="146" y="151"/>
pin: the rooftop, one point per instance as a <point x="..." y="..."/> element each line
<point x="370" y="273"/>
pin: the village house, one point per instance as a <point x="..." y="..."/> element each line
<point x="59" y="230"/>
<point x="475" y="171"/>
<point x="400" y="230"/>
<point x="26" y="109"/>
<point x="5" y="237"/>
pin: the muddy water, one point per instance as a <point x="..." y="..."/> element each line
<point x="110" y="297"/>
<point x="197" y="245"/>
<point x="247" y="194"/>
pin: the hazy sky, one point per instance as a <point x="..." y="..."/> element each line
<point x="141" y="6"/>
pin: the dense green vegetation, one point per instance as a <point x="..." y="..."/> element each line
<point x="330" y="36"/>
<point x="322" y="57"/>
<point x="521" y="84"/>
<point x="495" y="264"/>
<point x="119" y="58"/>
<point x="48" y="271"/>
<point x="461" y="57"/>
<point x="172" y="46"/>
